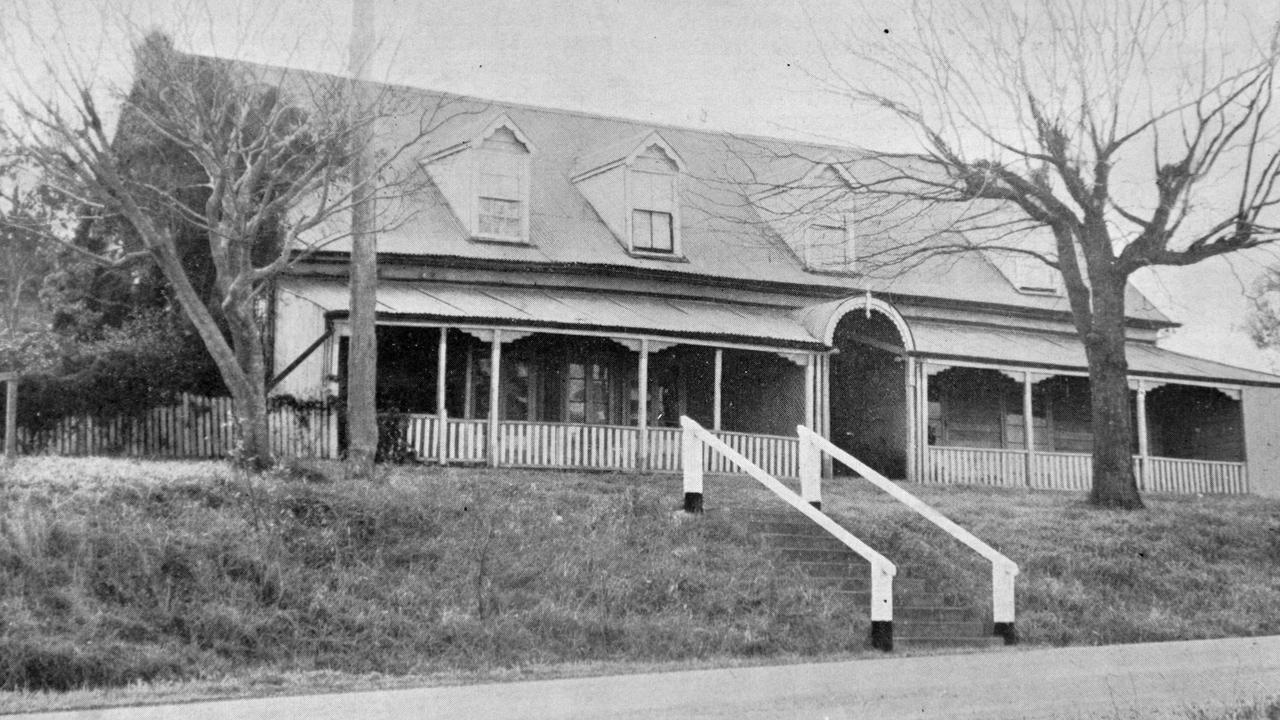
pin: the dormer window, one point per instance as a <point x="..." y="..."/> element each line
<point x="635" y="187"/>
<point x="502" y="197"/>
<point x="484" y="175"/>
<point x="829" y="245"/>
<point x="651" y="184"/>
<point x="814" y="215"/>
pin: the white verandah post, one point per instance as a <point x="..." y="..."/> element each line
<point x="442" y="415"/>
<point x="642" y="447"/>
<point x="719" y="376"/>
<point x="495" y="373"/>
<point x="809" y="390"/>
<point x="1144" y="449"/>
<point x="1028" y="433"/>
<point x="913" y="420"/>
<point x="922" y="426"/>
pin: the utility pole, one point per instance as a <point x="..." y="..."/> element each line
<point x="362" y="350"/>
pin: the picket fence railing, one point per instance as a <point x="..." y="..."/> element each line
<point x="193" y="427"/>
<point x="1074" y="471"/>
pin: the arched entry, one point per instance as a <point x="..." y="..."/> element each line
<point x="869" y="404"/>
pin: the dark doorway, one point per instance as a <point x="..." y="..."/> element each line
<point x="868" y="392"/>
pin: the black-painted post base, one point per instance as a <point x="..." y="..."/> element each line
<point x="817" y="504"/>
<point x="1006" y="631"/>
<point x="882" y="635"/>
<point x="693" y="502"/>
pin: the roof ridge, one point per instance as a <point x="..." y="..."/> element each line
<point x="595" y="115"/>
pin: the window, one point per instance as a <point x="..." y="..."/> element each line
<point x="651" y="231"/>
<point x="501" y="210"/>
<point x="652" y="189"/>
<point x="589" y="390"/>
<point x="828" y="247"/>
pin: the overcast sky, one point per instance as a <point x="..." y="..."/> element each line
<point x="741" y="65"/>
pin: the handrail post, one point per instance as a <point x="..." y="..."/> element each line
<point x="810" y="472"/>
<point x="1003" y="570"/>
<point x="691" y="464"/>
<point x="881" y="607"/>
<point x="1002" y="601"/>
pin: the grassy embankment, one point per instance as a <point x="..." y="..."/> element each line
<point x="114" y="572"/>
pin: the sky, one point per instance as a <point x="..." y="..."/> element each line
<point x="746" y="66"/>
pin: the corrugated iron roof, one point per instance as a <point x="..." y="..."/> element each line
<point x="1058" y="351"/>
<point x="723" y="236"/>
<point x="528" y="306"/>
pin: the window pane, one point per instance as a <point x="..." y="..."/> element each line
<point x="641" y="229"/>
<point x="500" y="175"/>
<point x="662" y="232"/>
<point x="500" y="218"/>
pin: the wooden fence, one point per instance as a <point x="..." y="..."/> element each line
<point x="193" y="427"/>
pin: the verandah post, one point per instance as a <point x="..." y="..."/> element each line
<point x="922" y="426"/>
<point x="913" y="421"/>
<point x="719" y="376"/>
<point x="1144" y="449"/>
<point x="809" y="390"/>
<point x="495" y="372"/>
<point x="691" y="467"/>
<point x="642" y="453"/>
<point x="1028" y="424"/>
<point x="442" y="413"/>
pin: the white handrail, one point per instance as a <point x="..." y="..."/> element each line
<point x="882" y="570"/>
<point x="1003" y="569"/>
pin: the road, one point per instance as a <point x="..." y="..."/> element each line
<point x="1119" y="682"/>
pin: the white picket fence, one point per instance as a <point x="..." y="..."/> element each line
<point x="1074" y="471"/>
<point x="579" y="445"/>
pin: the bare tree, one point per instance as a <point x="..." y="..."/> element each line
<point x="24" y="259"/>
<point x="256" y="158"/>
<point x="1095" y="139"/>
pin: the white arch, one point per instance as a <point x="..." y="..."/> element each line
<point x="863" y="302"/>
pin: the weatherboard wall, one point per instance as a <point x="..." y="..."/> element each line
<point x="1262" y="439"/>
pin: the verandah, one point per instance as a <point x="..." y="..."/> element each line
<point x="1023" y="428"/>
<point x="575" y="400"/>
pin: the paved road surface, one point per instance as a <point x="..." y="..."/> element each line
<point x="1120" y="682"/>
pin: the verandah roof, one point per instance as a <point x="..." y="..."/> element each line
<point x="537" y="307"/>
<point x="1002" y="346"/>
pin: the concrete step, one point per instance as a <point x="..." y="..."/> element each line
<point x="940" y="628"/>
<point x="977" y="641"/>
<point x="912" y="613"/>
<point x="794" y="541"/>
<point x="819" y="554"/>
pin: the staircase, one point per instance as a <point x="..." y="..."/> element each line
<point x="924" y="616"/>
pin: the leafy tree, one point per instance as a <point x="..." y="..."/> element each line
<point x="1093" y="138"/>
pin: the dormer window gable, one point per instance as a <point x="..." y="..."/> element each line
<point x="635" y="188"/>
<point x="485" y="177"/>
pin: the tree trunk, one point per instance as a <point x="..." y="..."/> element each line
<point x="246" y="385"/>
<point x="1114" y="483"/>
<point x="254" y="451"/>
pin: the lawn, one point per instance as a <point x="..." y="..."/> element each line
<point x="115" y="572"/>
